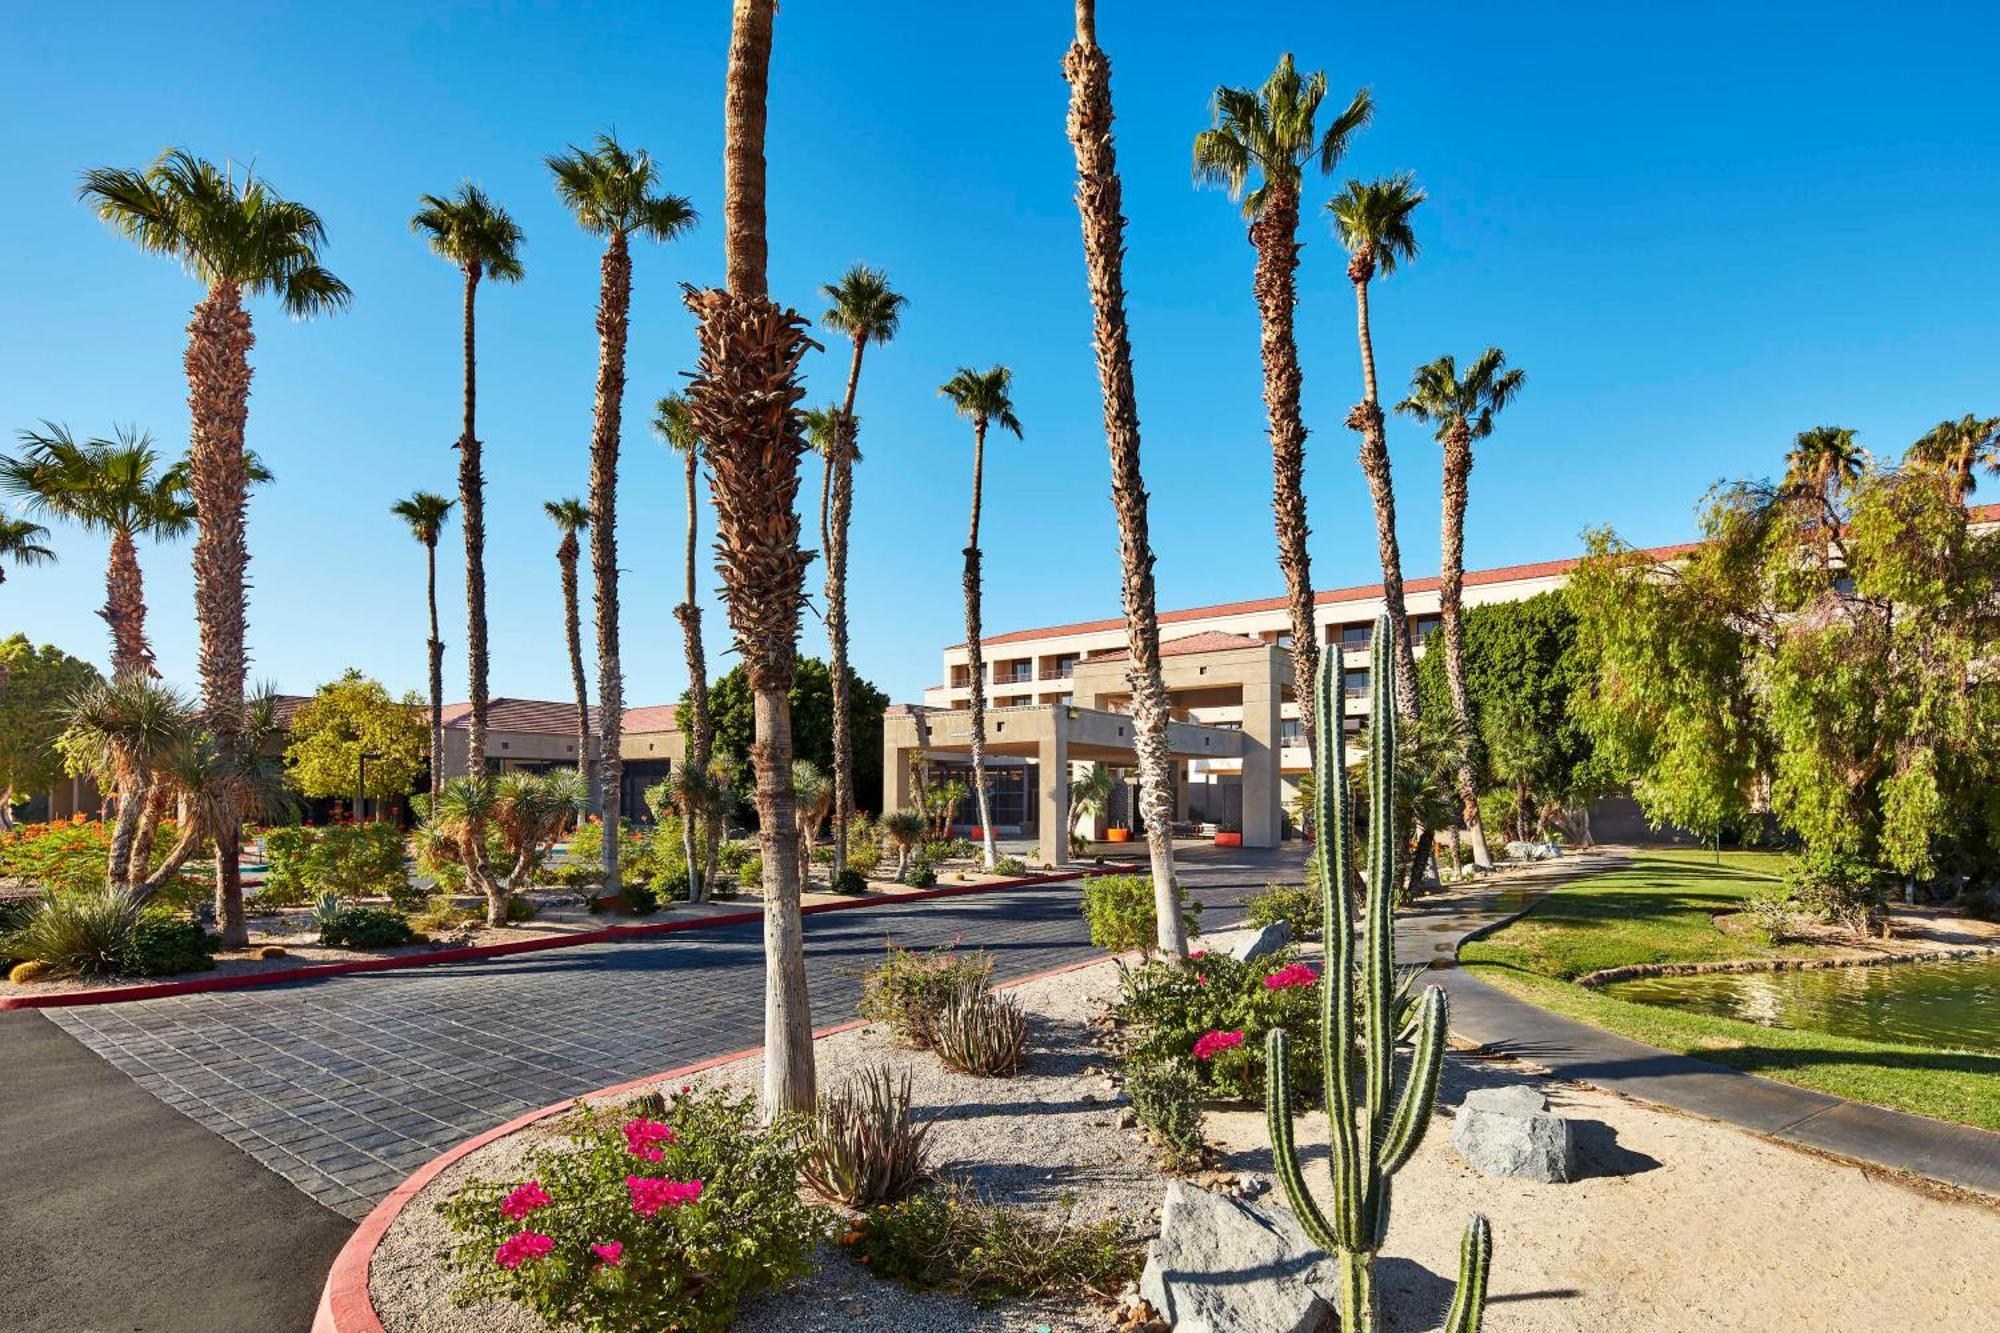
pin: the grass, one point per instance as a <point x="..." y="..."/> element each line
<point x="1658" y="910"/>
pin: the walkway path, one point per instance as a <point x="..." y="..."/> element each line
<point x="1957" y="1154"/>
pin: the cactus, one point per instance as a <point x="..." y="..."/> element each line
<point x="1364" y="1008"/>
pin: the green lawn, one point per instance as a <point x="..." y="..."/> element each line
<point x="1658" y="910"/>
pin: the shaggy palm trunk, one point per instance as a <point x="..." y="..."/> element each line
<point x="437" y="672"/>
<point x="1274" y="234"/>
<point x="841" y="479"/>
<point x="218" y="374"/>
<point x="566" y="557"/>
<point x="1457" y="476"/>
<point x="1099" y="195"/>
<point x="696" y="733"/>
<point x="125" y="609"/>
<point x="1366" y="418"/>
<point x="974" y="658"/>
<point x="614" y="304"/>
<point x="745" y="401"/>
<point x="472" y="504"/>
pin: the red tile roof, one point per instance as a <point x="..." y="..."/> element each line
<point x="651" y="718"/>
<point x="1208" y="641"/>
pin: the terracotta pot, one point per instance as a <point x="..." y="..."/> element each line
<point x="1118" y="835"/>
<point x="1229" y="840"/>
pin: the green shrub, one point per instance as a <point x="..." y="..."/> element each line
<point x="731" y="855"/>
<point x="14" y="914"/>
<point x="1836" y="887"/>
<point x="980" y="1033"/>
<point x="575" y="874"/>
<point x="950" y="1240"/>
<point x="948" y="849"/>
<point x="366" y="928"/>
<point x="1297" y="905"/>
<point x="1120" y="911"/>
<point x="866" y="1148"/>
<point x="520" y="909"/>
<point x="670" y="884"/>
<point x="586" y="841"/>
<point x="908" y="990"/>
<point x="160" y="946"/>
<point x="76" y="934"/>
<point x="1166" y="1096"/>
<point x="1169" y="1005"/>
<point x="443" y="914"/>
<point x="920" y="874"/>
<point x="1009" y="865"/>
<point x="864" y="847"/>
<point x="682" y="1265"/>
<point x="750" y="872"/>
<point x="849" y="881"/>
<point x="352" y="860"/>
<point x="640" y="899"/>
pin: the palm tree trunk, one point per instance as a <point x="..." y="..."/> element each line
<point x="699" y="730"/>
<point x="973" y="654"/>
<point x="1274" y="234"/>
<point x="150" y="810"/>
<point x="472" y="504"/>
<point x="1099" y="194"/>
<point x="836" y="612"/>
<point x="125" y="609"/>
<point x="1366" y="417"/>
<point x="1457" y="478"/>
<point x="566" y="556"/>
<point x="750" y="352"/>
<point x="437" y="673"/>
<point x="125" y="829"/>
<point x="614" y="305"/>
<point x="218" y="373"/>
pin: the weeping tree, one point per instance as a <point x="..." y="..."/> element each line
<point x="1377" y="1120"/>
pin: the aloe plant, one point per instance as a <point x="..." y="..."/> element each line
<point x="1376" y="1125"/>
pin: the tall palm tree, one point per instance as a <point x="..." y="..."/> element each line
<point x="1821" y="463"/>
<point x="1270" y="132"/>
<point x="571" y="517"/>
<point x="1099" y="203"/>
<point x="673" y="422"/>
<point x="478" y="238"/>
<point x="614" y="192"/>
<point x="744" y="400"/>
<point x="1957" y="448"/>
<point x="867" y="309"/>
<point x="982" y="397"/>
<point x="24" y="543"/>
<point x="426" y="512"/>
<point x="1372" y="219"/>
<point x="1462" y="408"/>
<point x="239" y="238"/>
<point x="111" y="488"/>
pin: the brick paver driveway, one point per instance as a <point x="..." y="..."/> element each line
<point x="345" y="1085"/>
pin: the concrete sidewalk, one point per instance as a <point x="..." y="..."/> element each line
<point x="1498" y="1023"/>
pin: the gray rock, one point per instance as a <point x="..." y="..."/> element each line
<point x="1266" y="941"/>
<point x="1223" y="1265"/>
<point x="1511" y="1132"/>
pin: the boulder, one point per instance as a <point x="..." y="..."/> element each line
<point x="1224" y="1265"/>
<point x="1533" y="851"/>
<point x="1266" y="941"/>
<point x="1511" y="1132"/>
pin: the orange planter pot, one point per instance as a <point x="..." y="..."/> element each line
<point x="1229" y="840"/>
<point x="1118" y="835"/>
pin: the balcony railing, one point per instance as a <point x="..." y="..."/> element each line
<point x="1059" y="673"/>
<point x="1017" y="676"/>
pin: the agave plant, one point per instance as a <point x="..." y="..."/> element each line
<point x="866" y="1146"/>
<point x="980" y="1032"/>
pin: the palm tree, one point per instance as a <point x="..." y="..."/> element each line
<point x="614" y="192"/>
<point x="571" y="517"/>
<point x="1372" y="219"/>
<point x="867" y="309"/>
<point x="1956" y="448"/>
<point x="1090" y="794"/>
<point x="1462" y="409"/>
<point x="1099" y="196"/>
<point x="744" y="402"/>
<point x="982" y="397"/>
<point x="24" y="543"/>
<point x="1270" y="132"/>
<point x="112" y="488"/>
<point x="674" y="424"/>
<point x="476" y="236"/>
<point x="426" y="512"/>
<point x="1823" y="461"/>
<point x="239" y="238"/>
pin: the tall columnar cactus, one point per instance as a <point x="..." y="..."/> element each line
<point x="1375" y="1125"/>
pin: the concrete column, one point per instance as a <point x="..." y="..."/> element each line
<point x="1182" y="776"/>
<point x="898" y="790"/>
<point x="1263" y="785"/>
<point x="1052" y="810"/>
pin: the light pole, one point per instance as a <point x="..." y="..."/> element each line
<point x="361" y="783"/>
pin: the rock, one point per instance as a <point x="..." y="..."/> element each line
<point x="1511" y="1132"/>
<point x="1533" y="851"/>
<point x="1222" y="1265"/>
<point x="1266" y="941"/>
<point x="1128" y="1119"/>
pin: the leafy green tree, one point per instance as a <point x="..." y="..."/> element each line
<point x="350" y="717"/>
<point x="731" y="706"/>
<point x="35" y="683"/>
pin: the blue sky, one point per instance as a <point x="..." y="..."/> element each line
<point x="1699" y="228"/>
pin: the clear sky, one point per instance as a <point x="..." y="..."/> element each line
<point x="1699" y="228"/>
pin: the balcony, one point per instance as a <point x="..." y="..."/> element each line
<point x="1013" y="676"/>
<point x="1059" y="672"/>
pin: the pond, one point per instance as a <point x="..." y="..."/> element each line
<point x="1955" y="1004"/>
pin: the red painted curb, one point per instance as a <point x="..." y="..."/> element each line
<point x="471" y="953"/>
<point x="344" y="1303"/>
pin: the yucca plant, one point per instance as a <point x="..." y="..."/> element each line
<point x="866" y="1146"/>
<point x="1377" y="1120"/>
<point x="77" y="934"/>
<point x="980" y="1033"/>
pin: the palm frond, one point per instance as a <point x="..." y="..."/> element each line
<point x="863" y="305"/>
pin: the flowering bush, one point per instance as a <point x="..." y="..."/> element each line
<point x="659" y="1215"/>
<point x="1216" y="1011"/>
<point x="74" y="856"/>
<point x="1211" y="1044"/>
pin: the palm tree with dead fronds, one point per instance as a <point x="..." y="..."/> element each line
<point x="239" y="238"/>
<point x="572" y="516"/>
<point x="426" y="512"/>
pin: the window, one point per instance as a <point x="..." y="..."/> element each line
<point x="1060" y="667"/>
<point x="1423" y="625"/>
<point x="961" y="676"/>
<point x="1293" y="732"/>
<point x="1356" y="684"/>
<point x="1354" y="638"/>
<point x="1281" y="637"/>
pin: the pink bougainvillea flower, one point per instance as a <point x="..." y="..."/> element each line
<point x="522" y="1246"/>
<point x="1211" y="1044"/>
<point x="1199" y="953"/>
<point x="1201" y="978"/>
<point x="524" y="1200"/>
<point x="1298" y="974"/>
<point x="643" y="1138"/>
<point x="611" y="1251"/>
<point x="651" y="1193"/>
